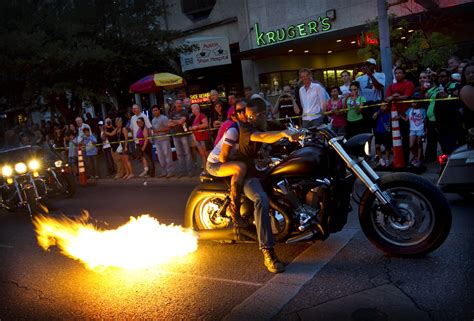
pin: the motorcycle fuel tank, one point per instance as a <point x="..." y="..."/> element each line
<point x="307" y="161"/>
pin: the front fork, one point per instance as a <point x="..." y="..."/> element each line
<point x="368" y="176"/>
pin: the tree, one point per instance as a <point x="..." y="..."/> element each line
<point x="92" y="48"/>
<point x="415" y="42"/>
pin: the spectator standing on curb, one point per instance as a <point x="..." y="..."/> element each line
<point x="312" y="99"/>
<point x="430" y="91"/>
<point x="108" y="135"/>
<point x="72" y="153"/>
<point x="416" y="117"/>
<point x="199" y="123"/>
<point x="448" y="118"/>
<point x="396" y="94"/>
<point x="337" y="116"/>
<point x="354" y="103"/>
<point x="372" y="85"/>
<point x="248" y="92"/>
<point x="178" y="121"/>
<point x="286" y="105"/>
<point x="137" y="113"/>
<point x="80" y="125"/>
<point x="89" y="141"/>
<point x="383" y="135"/>
<point x="160" y="124"/>
<point x="122" y="149"/>
<point x="466" y="95"/>
<point x="144" y="146"/>
<point x="345" y="87"/>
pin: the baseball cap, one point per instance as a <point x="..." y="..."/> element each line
<point x="371" y="61"/>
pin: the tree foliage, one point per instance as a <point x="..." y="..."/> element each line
<point x="89" y="47"/>
<point x="415" y="43"/>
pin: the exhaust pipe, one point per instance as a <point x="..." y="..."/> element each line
<point x="228" y="234"/>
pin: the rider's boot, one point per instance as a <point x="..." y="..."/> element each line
<point x="233" y="209"/>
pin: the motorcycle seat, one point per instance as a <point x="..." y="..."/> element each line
<point x="206" y="177"/>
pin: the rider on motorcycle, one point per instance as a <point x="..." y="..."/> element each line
<point x="251" y="136"/>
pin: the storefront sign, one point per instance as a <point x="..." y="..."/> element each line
<point x="200" y="98"/>
<point x="320" y="24"/>
<point x="211" y="51"/>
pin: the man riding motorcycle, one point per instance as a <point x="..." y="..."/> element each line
<point x="251" y="136"/>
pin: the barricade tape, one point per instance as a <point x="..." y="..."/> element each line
<point x="133" y="140"/>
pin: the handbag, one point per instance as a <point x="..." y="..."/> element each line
<point x="119" y="149"/>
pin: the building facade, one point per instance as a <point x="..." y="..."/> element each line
<point x="270" y="40"/>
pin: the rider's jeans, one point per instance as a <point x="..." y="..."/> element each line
<point x="254" y="191"/>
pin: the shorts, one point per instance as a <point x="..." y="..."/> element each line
<point x="213" y="168"/>
<point x="417" y="133"/>
<point x="383" y="139"/>
<point x="72" y="160"/>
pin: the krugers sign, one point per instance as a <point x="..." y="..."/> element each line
<point x="211" y="51"/>
<point x="301" y="30"/>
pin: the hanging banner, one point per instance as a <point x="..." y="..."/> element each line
<point x="209" y="52"/>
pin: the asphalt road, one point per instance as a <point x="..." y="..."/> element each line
<point x="344" y="278"/>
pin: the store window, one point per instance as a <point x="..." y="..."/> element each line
<point x="272" y="83"/>
<point x="197" y="9"/>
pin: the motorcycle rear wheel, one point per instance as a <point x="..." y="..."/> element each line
<point x="427" y="212"/>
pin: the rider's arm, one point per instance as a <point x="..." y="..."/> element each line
<point x="229" y="139"/>
<point x="225" y="152"/>
<point x="269" y="137"/>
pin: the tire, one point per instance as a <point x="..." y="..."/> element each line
<point x="205" y="217"/>
<point x="69" y="184"/>
<point x="34" y="207"/>
<point x="377" y="226"/>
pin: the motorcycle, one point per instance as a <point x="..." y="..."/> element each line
<point x="21" y="184"/>
<point x="457" y="170"/>
<point x="310" y="193"/>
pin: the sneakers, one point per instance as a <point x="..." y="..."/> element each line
<point x="169" y="175"/>
<point x="144" y="173"/>
<point x="271" y="261"/>
<point x="162" y="175"/>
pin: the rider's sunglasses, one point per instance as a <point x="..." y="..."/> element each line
<point x="253" y="117"/>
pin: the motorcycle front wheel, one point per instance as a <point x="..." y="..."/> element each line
<point x="426" y="215"/>
<point x="68" y="184"/>
<point x="33" y="205"/>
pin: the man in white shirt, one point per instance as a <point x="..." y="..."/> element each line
<point x="80" y="128"/>
<point x="137" y="113"/>
<point x="313" y="100"/>
<point x="345" y="88"/>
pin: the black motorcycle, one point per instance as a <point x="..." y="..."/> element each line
<point x="310" y="197"/>
<point x="21" y="183"/>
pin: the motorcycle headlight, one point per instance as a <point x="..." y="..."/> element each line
<point x="34" y="165"/>
<point x="58" y="163"/>
<point x="367" y="148"/>
<point x="20" y="168"/>
<point x="7" y="171"/>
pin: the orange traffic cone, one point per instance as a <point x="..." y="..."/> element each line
<point x="82" y="169"/>
<point x="398" y="159"/>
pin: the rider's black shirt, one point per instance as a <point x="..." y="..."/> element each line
<point x="248" y="150"/>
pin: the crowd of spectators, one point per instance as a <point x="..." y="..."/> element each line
<point x="362" y="103"/>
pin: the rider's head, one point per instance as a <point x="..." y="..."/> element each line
<point x="239" y="112"/>
<point x="256" y="113"/>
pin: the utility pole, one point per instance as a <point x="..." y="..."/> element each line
<point x="384" y="37"/>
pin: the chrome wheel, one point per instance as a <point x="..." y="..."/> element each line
<point x="417" y="223"/>
<point x="207" y="217"/>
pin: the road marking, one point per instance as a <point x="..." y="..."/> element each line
<point x="268" y="300"/>
<point x="213" y="278"/>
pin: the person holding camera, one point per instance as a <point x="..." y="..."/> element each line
<point x="286" y="105"/>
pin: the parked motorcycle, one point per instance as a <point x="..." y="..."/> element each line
<point x="310" y="197"/>
<point x="457" y="170"/>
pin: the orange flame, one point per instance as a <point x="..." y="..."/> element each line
<point x="140" y="243"/>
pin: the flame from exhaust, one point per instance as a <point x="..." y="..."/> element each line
<point x="140" y="243"/>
